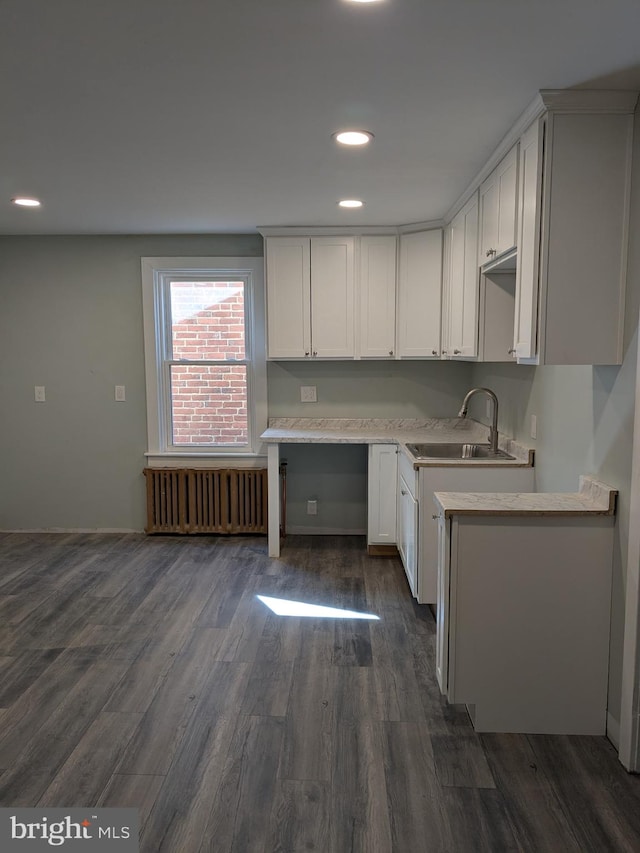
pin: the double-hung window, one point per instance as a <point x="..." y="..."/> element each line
<point x="204" y="352"/>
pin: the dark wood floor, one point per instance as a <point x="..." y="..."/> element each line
<point x="144" y="672"/>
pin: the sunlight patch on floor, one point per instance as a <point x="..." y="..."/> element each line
<point x="285" y="607"/>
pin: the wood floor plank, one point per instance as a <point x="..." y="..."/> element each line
<point x="460" y="761"/>
<point x="415" y="802"/>
<point x="535" y="812"/>
<point x="37" y="704"/>
<point x="89" y="767"/>
<point x="183" y="806"/>
<point x="249" y="777"/>
<point x="267" y="692"/>
<point x="44" y="753"/>
<point x="300" y="818"/>
<point x="590" y="807"/>
<point x="477" y="820"/>
<point x="308" y="726"/>
<point x="23" y="670"/>
<point x="161" y="728"/>
<point x="359" y="817"/>
<point x="132" y="792"/>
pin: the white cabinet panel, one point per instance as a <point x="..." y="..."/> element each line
<point x="573" y="238"/>
<point x="420" y="294"/>
<point x="288" y="297"/>
<point x="498" y="209"/>
<point x="382" y="491"/>
<point x="408" y="533"/>
<point x="332" y="297"/>
<point x="377" y="289"/>
<point x="463" y="283"/>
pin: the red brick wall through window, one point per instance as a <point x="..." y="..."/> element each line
<point x="209" y="402"/>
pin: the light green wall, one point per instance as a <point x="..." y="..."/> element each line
<point x="585" y="424"/>
<point x="71" y="320"/>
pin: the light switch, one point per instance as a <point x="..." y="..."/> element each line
<point x="120" y="394"/>
<point x="39" y="394"/>
<point x="308" y="394"/>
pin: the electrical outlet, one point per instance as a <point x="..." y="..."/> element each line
<point x="120" y="394"/>
<point x="534" y="426"/>
<point x="312" y="507"/>
<point x="39" y="394"/>
<point x="308" y="394"/>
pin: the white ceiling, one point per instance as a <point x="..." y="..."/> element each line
<point x="195" y="116"/>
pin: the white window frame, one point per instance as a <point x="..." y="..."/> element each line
<point x="155" y="273"/>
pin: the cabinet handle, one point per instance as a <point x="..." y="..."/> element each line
<point x="402" y="492"/>
<point x="316" y="352"/>
<point x="307" y="353"/>
<point x="390" y="352"/>
<point x="511" y="351"/>
<point x="457" y="351"/>
<point x="444" y="352"/>
<point x="434" y="352"/>
<point x="435" y="517"/>
<point x="490" y="252"/>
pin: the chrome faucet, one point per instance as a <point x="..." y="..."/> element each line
<point x="493" y="431"/>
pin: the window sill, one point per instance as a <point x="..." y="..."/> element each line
<point x="204" y="459"/>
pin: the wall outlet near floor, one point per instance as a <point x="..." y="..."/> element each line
<point x="312" y="507"/>
<point x="308" y="394"/>
<point x="39" y="394"/>
<point x="534" y="426"/>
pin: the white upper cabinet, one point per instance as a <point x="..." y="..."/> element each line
<point x="498" y="209"/>
<point x="310" y="297"/>
<point x="377" y="297"/>
<point x="420" y="294"/>
<point x="575" y="179"/>
<point x="288" y="297"/>
<point x="332" y="297"/>
<point x="460" y="327"/>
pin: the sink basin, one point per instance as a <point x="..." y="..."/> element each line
<point x="456" y="451"/>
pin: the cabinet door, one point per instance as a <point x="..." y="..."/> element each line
<point x="420" y="296"/>
<point x="442" y="607"/>
<point x="332" y="297"/>
<point x="498" y="209"/>
<point x="527" y="272"/>
<point x="408" y="533"/>
<point x="377" y="286"/>
<point x="382" y="490"/>
<point x="288" y="297"/>
<point x="464" y="280"/>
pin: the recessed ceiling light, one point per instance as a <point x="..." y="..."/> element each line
<point x="363" y="1"/>
<point x="353" y="137"/>
<point x="350" y="202"/>
<point x="26" y="202"/>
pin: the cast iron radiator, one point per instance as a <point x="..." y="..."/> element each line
<point x="203" y="500"/>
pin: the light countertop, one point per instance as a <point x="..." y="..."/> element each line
<point x="593" y="497"/>
<point x="401" y="431"/>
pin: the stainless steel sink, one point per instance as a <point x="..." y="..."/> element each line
<point x="456" y="451"/>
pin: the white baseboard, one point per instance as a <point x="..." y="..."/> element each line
<point x="71" y="530"/>
<point x="303" y="530"/>
<point x="613" y="730"/>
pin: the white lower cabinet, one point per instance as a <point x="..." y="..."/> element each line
<point x="463" y="478"/>
<point x="524" y="620"/>
<point x="381" y="485"/>
<point x="408" y="533"/>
